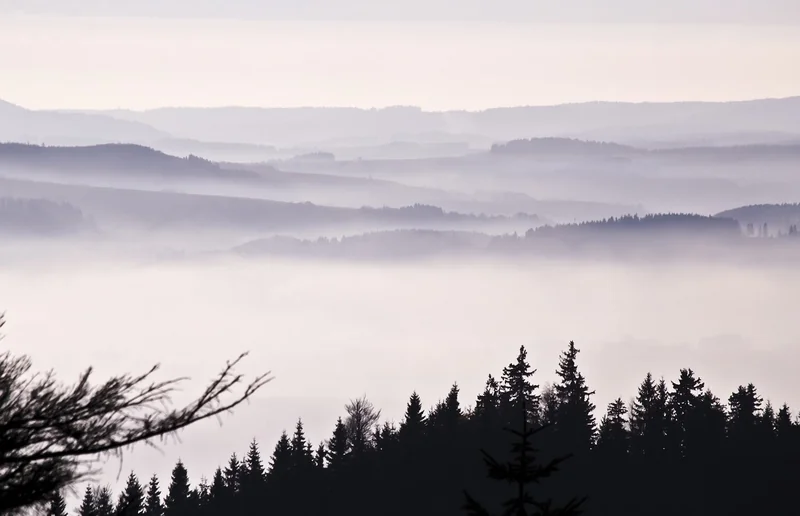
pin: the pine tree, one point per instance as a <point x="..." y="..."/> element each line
<point x="648" y="427"/>
<point x="87" y="507"/>
<point x="302" y="459"/>
<point x="219" y="498"/>
<point x="575" y="421"/>
<point x="319" y="456"/>
<point x="684" y="403"/>
<point x="783" y="423"/>
<point x="516" y="390"/>
<point x="338" y="446"/>
<point x="280" y="463"/>
<point x="178" y="501"/>
<point x="57" y="506"/>
<point x="613" y="437"/>
<point x="412" y="428"/>
<point x="103" y="504"/>
<point x="745" y="411"/>
<point x="522" y="472"/>
<point x="253" y="476"/>
<point x="153" y="505"/>
<point x="131" y="500"/>
<point x="233" y="477"/>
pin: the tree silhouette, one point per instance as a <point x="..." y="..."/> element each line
<point x="178" y="501"/>
<point x="50" y="430"/>
<point x="131" y="501"/>
<point x="57" y="507"/>
<point x="522" y="472"/>
<point x="153" y="505"/>
<point x="575" y="423"/>
<point x="88" y="507"/>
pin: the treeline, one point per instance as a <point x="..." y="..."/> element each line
<point x="39" y="217"/>
<point x="562" y="146"/>
<point x="654" y="224"/>
<point x="675" y="448"/>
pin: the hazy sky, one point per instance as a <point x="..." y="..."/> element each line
<point x="137" y="62"/>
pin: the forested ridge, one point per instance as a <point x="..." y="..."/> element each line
<point x="675" y="448"/>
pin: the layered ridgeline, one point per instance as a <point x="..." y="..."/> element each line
<point x="41" y="218"/>
<point x="675" y="448"/>
<point x="658" y="236"/>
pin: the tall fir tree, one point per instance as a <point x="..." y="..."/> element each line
<point x="517" y="391"/>
<point x="153" y="505"/>
<point x="103" y="502"/>
<point x="253" y="476"/>
<point x="745" y="414"/>
<point x="575" y="423"/>
<point x="280" y="464"/>
<point x="302" y="459"/>
<point x="685" y="405"/>
<point x="131" y="500"/>
<point x="57" y="506"/>
<point x="613" y="438"/>
<point x="233" y="477"/>
<point x="413" y="426"/>
<point x="523" y="472"/>
<point x="338" y="447"/>
<point x="88" y="507"/>
<point x="178" y="501"/>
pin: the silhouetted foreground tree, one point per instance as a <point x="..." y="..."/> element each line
<point x="522" y="472"/>
<point x="49" y="431"/>
<point x="678" y="449"/>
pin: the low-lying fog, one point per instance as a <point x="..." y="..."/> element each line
<point x="332" y="332"/>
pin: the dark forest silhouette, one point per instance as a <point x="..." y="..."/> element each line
<point x="674" y="449"/>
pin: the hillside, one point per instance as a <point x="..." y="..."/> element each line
<point x="778" y="217"/>
<point x="39" y="217"/>
<point x="117" y="207"/>
<point x="111" y="160"/>
<point x="18" y="124"/>
<point x="609" y="121"/>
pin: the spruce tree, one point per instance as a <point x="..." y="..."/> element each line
<point x="88" y="507"/>
<point x="685" y="406"/>
<point x="253" y="476"/>
<point x="612" y="441"/>
<point x="522" y="472"/>
<point x="517" y="391"/>
<point x="103" y="502"/>
<point x="648" y="425"/>
<point x="302" y="460"/>
<point x="131" y="500"/>
<point x="338" y="447"/>
<point x="233" y="477"/>
<point x="57" y="506"/>
<point x="575" y="423"/>
<point x="412" y="428"/>
<point x="745" y="412"/>
<point x="319" y="456"/>
<point x="153" y="505"/>
<point x="280" y="464"/>
<point x="219" y="498"/>
<point x="178" y="500"/>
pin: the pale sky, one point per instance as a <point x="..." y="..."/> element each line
<point x="52" y="61"/>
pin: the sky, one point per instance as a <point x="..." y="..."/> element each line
<point x="274" y="54"/>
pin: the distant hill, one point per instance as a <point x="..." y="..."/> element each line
<point x="112" y="159"/>
<point x="18" y="124"/>
<point x="39" y="217"/>
<point x="662" y="237"/>
<point x="563" y="146"/>
<point x="778" y="217"/>
<point x="150" y="210"/>
<point x="603" y="121"/>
